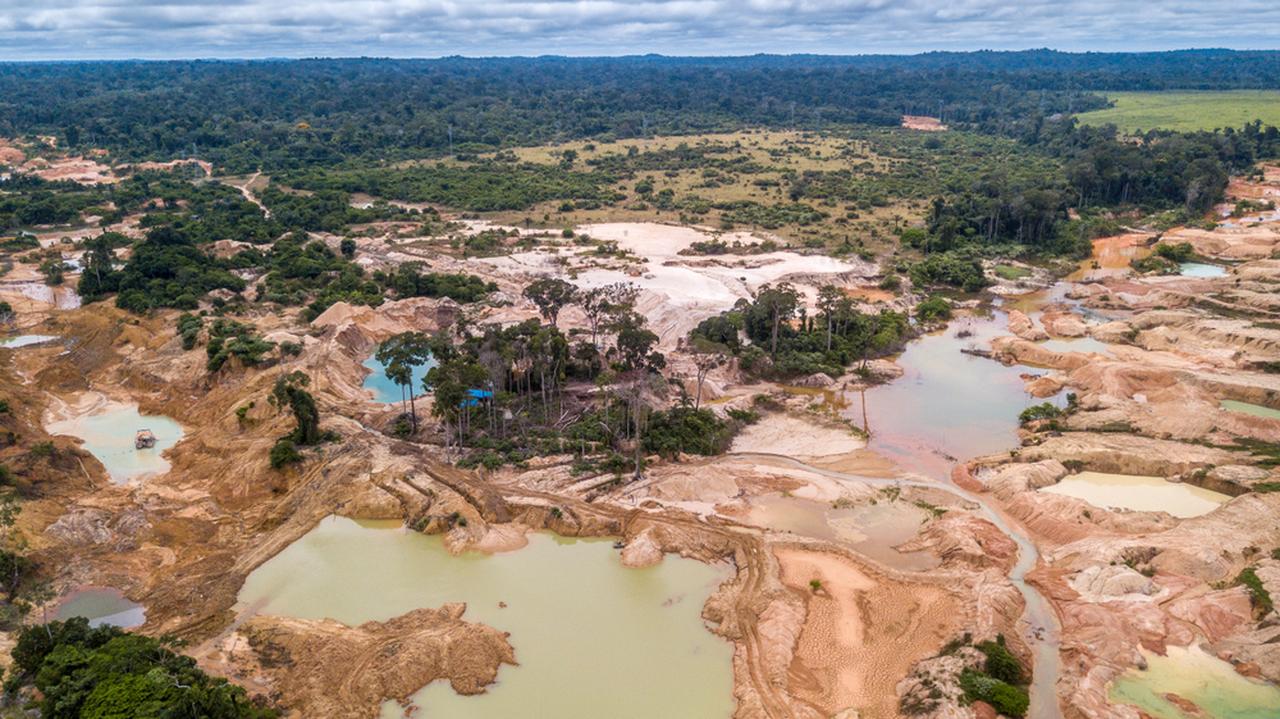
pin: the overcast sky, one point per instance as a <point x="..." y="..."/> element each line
<point x="67" y="29"/>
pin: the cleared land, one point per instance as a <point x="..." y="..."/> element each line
<point x="1186" y="111"/>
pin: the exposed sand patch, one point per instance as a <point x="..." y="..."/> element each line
<point x="796" y="437"/>
<point x="923" y="123"/>
<point x="647" y="239"/>
<point x="861" y="635"/>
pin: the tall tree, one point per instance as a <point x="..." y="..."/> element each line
<point x="400" y="355"/>
<point x="780" y="303"/>
<point x="551" y="295"/>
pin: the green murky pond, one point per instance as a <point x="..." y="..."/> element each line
<point x="109" y="436"/>
<point x="1197" y="677"/>
<point x="1139" y="493"/>
<point x="1256" y="410"/>
<point x="593" y="638"/>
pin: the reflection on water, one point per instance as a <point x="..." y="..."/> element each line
<point x="1143" y="494"/>
<point x="101" y="605"/>
<point x="593" y="638"/>
<point x="388" y="392"/>
<point x="948" y="404"/>
<point x="871" y="529"/>
<point x="1192" y="675"/>
<point x="1256" y="410"/>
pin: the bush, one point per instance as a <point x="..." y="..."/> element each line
<point x="1258" y="594"/>
<point x="1044" y="410"/>
<point x="1004" y="697"/>
<point x="1001" y="663"/>
<point x="934" y="309"/>
<point x="284" y="452"/>
<point x="1181" y="252"/>
<point x="951" y="269"/>
<point x="687" y="430"/>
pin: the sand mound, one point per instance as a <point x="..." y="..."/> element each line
<point x="796" y="436"/>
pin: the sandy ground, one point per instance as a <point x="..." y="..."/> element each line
<point x="923" y="122"/>
<point x="796" y="437"/>
<point x="861" y="635"/>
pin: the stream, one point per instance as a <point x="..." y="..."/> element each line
<point x="1042" y="632"/>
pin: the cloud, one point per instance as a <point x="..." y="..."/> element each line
<point x="55" y="29"/>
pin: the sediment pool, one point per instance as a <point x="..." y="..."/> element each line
<point x="1256" y="410"/>
<point x="14" y="343"/>
<point x="386" y="391"/>
<point x="101" y="605"/>
<point x="1144" y="494"/>
<point x="871" y="529"/>
<point x="1201" y="269"/>
<point x="592" y="637"/>
<point x="108" y="429"/>
<point x="1194" y="676"/>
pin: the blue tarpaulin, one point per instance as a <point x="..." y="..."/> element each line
<point x="474" y="396"/>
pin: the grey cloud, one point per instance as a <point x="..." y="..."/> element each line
<point x="425" y="28"/>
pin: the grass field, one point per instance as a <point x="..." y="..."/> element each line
<point x="1187" y="111"/>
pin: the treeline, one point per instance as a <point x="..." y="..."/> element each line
<point x="1185" y="172"/>
<point x="169" y="269"/>
<point x="296" y="114"/>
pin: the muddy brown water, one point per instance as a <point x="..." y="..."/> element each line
<point x="592" y="637"/>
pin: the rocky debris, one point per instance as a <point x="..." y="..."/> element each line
<point x="964" y="538"/>
<point x="642" y="550"/>
<point x="1042" y="386"/>
<point x="818" y="379"/>
<point x="1061" y="323"/>
<point x="87" y="527"/>
<point x="1021" y="325"/>
<point x="416" y="313"/>
<point x="1104" y="582"/>
<point x="1014" y="350"/>
<point x="326" y="668"/>
<point x="1230" y="243"/>
<point x="1113" y="333"/>
<point x="1234" y="479"/>
<point x="1009" y="480"/>
<point x="1119" y="453"/>
<point x="932" y="690"/>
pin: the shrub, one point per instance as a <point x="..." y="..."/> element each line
<point x="1258" y="594"/>
<point x="1004" y="697"/>
<point x="688" y="430"/>
<point x="934" y="309"/>
<point x="284" y="452"/>
<point x="1001" y="663"/>
<point x="1044" y="410"/>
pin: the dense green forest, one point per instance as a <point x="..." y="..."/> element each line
<point x="294" y="114"/>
